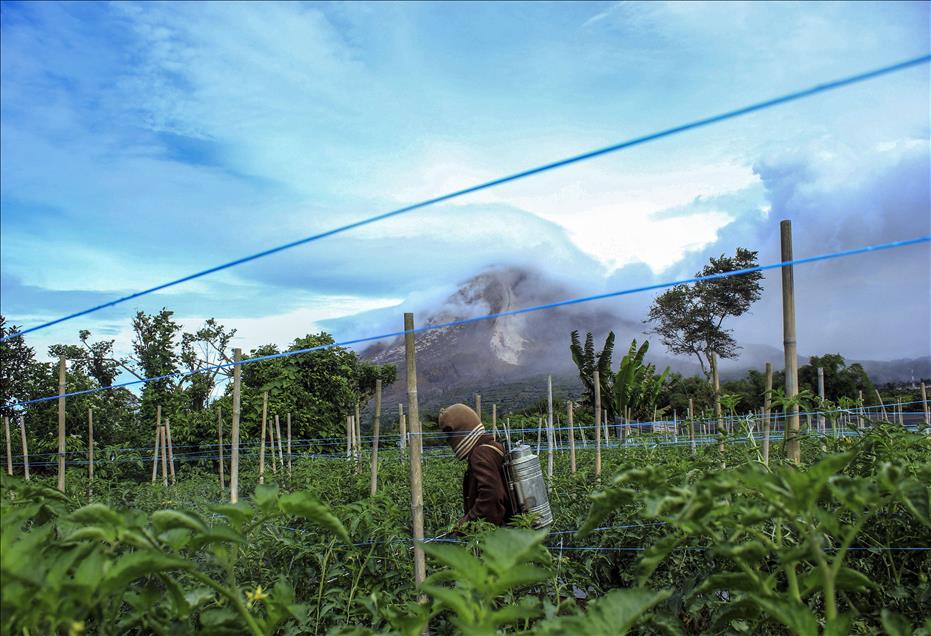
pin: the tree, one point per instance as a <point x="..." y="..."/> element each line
<point x="839" y="379"/>
<point x="588" y="362"/>
<point x="206" y="347"/>
<point x="689" y="318"/>
<point x="636" y="387"/>
<point x="15" y="361"/>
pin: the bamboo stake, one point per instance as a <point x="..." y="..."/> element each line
<point x="349" y="429"/>
<point x="924" y="402"/>
<point x="22" y="435"/>
<point x="402" y="428"/>
<point x="716" y="384"/>
<point x="692" y="427"/>
<point x="90" y="444"/>
<point x="478" y="406"/>
<point x="376" y="429"/>
<point x="158" y="432"/>
<point x="767" y="407"/>
<point x="901" y="414"/>
<point x="881" y="405"/>
<point x="271" y="447"/>
<point x="289" y="444"/>
<point x="220" y="443"/>
<point x="61" y="423"/>
<point x="278" y="437"/>
<point x="420" y="565"/>
<point x="494" y="421"/>
<point x="171" y="455"/>
<point x="822" y="426"/>
<point x="569" y="414"/>
<point x="262" y="438"/>
<point x="234" y="427"/>
<point x="549" y="426"/>
<point x="790" y="346"/>
<point x="539" y="435"/>
<point x="9" y="446"/>
<point x="358" y="432"/>
<point x="164" y="443"/>
<point x="597" y="384"/>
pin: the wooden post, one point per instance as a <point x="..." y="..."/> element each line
<point x="262" y="437"/>
<point x="358" y="431"/>
<point x="597" y="385"/>
<point x="716" y="385"/>
<point x="349" y="429"/>
<point x="767" y="406"/>
<point x="478" y="406"/>
<point x="494" y="421"/>
<point x="789" y="344"/>
<point x="569" y="414"/>
<point x="413" y="411"/>
<point x="22" y="435"/>
<point x="61" y="423"/>
<point x="171" y="454"/>
<point x="550" y="434"/>
<point x="9" y="445"/>
<point x="278" y="437"/>
<point x="691" y="415"/>
<point x="271" y="447"/>
<point x="821" y="422"/>
<point x="220" y="446"/>
<point x="881" y="405"/>
<point x="924" y="402"/>
<point x="539" y="436"/>
<point x="158" y="432"/>
<point x="289" y="444"/>
<point x="164" y="444"/>
<point x="402" y="427"/>
<point x="234" y="428"/>
<point x="376" y="429"/>
<point x="90" y="444"/>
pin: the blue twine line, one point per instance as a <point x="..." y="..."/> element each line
<point x="668" y="132"/>
<point x="514" y="312"/>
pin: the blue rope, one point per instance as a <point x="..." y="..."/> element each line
<point x="514" y="312"/>
<point x="636" y="141"/>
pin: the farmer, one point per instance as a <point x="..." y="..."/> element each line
<point x="484" y="486"/>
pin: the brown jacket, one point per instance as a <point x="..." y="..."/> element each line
<point x="484" y="485"/>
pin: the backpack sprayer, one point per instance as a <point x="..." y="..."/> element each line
<point x="526" y="486"/>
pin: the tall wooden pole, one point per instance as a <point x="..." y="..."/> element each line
<point x="413" y="414"/>
<point x="61" y="423"/>
<point x="278" y="437"/>
<point x="882" y="406"/>
<point x="597" y="384"/>
<point x="569" y="414"/>
<point x="924" y="402"/>
<point x="220" y="446"/>
<point x="164" y="443"/>
<point x="691" y="415"/>
<point x="790" y="345"/>
<point x="90" y="444"/>
<point x="234" y="428"/>
<point x="271" y="447"/>
<point x="478" y="406"/>
<point x="494" y="421"/>
<point x="171" y="453"/>
<point x="349" y="429"/>
<point x="158" y="435"/>
<point x="262" y="437"/>
<point x="376" y="429"/>
<point x="767" y="406"/>
<point x="22" y="435"/>
<point x="821" y="422"/>
<point x="716" y="385"/>
<point x="402" y="427"/>
<point x="549" y="427"/>
<point x="289" y="444"/>
<point x="358" y="431"/>
<point x="9" y="445"/>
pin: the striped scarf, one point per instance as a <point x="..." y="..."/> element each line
<point x="467" y="443"/>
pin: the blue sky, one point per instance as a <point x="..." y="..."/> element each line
<point x="141" y="142"/>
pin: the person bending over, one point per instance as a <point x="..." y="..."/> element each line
<point x="484" y="485"/>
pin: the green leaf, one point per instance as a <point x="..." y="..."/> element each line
<point x="895" y="624"/>
<point x="793" y="615"/>
<point x="460" y="560"/>
<point x="163" y="520"/>
<point x="611" y="615"/>
<point x="917" y="498"/>
<point x="96" y="513"/>
<point x="506" y="547"/>
<point x="450" y="599"/>
<point x="265" y="497"/>
<point x="520" y="575"/>
<point x="306" y="506"/>
<point x="237" y="514"/>
<point x="134" y="565"/>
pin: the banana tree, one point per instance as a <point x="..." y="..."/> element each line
<point x="636" y="387"/>
<point x="588" y="362"/>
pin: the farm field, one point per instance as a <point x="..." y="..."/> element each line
<point x="666" y="543"/>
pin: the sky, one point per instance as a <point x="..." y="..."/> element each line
<point x="143" y="142"/>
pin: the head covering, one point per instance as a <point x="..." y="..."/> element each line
<point x="463" y="429"/>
